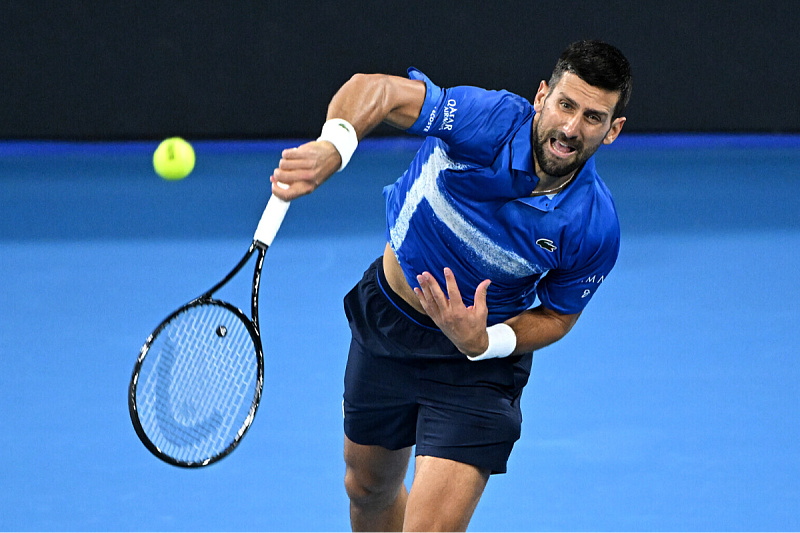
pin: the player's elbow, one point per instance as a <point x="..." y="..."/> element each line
<point x="373" y="86"/>
<point x="377" y="88"/>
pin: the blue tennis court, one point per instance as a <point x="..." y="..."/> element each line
<point x="673" y="405"/>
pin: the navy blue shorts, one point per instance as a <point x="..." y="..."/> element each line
<point x="407" y="384"/>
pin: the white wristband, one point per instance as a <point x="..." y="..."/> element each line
<point x="502" y="342"/>
<point x="342" y="135"/>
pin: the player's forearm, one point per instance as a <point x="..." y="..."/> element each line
<point x="366" y="100"/>
<point x="540" y="327"/>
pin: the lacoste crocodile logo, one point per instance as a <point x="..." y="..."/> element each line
<point x="547" y="244"/>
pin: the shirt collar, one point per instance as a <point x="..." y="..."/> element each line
<point x="545" y="203"/>
<point x="521" y="148"/>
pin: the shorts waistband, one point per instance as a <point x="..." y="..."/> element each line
<point x="401" y="305"/>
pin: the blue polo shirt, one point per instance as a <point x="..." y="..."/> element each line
<point x="465" y="203"/>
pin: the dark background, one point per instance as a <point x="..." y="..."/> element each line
<point x="266" y="69"/>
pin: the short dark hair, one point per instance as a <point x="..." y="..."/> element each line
<point x="600" y="65"/>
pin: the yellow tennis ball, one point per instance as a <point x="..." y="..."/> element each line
<point x="173" y="159"/>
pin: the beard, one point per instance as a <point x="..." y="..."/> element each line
<point x="552" y="165"/>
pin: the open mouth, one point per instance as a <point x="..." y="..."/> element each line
<point x="561" y="148"/>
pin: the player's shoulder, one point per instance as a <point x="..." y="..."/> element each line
<point x="604" y="201"/>
<point x="475" y="123"/>
<point x="447" y="101"/>
<point x="595" y="194"/>
<point x="594" y="219"/>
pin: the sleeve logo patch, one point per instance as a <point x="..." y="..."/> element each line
<point x="449" y="115"/>
<point x="431" y="118"/>
<point x="547" y="244"/>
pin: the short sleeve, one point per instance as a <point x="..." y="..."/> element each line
<point x="475" y="123"/>
<point x="568" y="290"/>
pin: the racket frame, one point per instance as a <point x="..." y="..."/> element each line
<point x="251" y="324"/>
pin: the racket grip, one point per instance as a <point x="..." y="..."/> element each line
<point x="271" y="220"/>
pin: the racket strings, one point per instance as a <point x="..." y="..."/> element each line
<point x="196" y="394"/>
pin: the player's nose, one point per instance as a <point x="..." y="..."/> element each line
<point x="571" y="127"/>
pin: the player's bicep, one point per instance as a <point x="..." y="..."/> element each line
<point x="366" y="100"/>
<point x="404" y="99"/>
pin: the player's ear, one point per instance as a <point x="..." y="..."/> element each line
<point x="613" y="132"/>
<point x="541" y="94"/>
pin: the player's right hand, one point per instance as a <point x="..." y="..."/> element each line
<point x="304" y="168"/>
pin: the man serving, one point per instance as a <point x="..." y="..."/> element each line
<point x="498" y="234"/>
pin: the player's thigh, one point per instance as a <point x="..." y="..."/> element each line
<point x="444" y="494"/>
<point x="373" y="469"/>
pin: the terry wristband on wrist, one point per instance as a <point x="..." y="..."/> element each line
<point x="342" y="135"/>
<point x="502" y="342"/>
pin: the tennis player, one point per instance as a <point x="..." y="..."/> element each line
<point x="498" y="235"/>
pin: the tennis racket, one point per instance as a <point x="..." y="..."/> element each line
<point x="197" y="381"/>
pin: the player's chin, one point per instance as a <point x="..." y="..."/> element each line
<point x="561" y="166"/>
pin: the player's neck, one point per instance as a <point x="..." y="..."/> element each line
<point x="553" y="185"/>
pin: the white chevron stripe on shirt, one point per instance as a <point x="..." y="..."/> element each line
<point x="426" y="187"/>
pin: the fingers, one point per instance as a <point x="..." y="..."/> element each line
<point x="464" y="326"/>
<point x="283" y="190"/>
<point x="304" y="168"/>
<point x="295" y="158"/>
<point x="430" y="292"/>
<point x="430" y="295"/>
<point x="480" y="294"/>
<point x="452" y="287"/>
<point x="293" y="166"/>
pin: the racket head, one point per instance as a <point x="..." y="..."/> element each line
<point x="197" y="383"/>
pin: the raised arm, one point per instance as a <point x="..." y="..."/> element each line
<point x="364" y="101"/>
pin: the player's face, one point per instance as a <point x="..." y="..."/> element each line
<point x="572" y="120"/>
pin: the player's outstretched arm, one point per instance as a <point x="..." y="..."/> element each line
<point x="366" y="100"/>
<point x="363" y="102"/>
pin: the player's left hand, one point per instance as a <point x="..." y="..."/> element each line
<point x="465" y="326"/>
